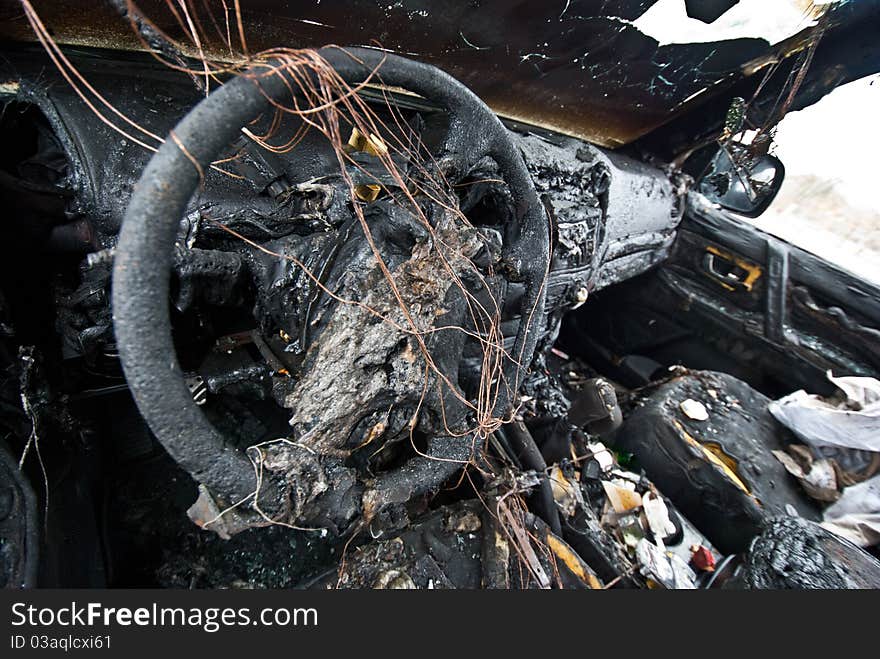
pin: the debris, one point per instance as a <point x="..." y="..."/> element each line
<point x="856" y="515"/>
<point x="664" y="568"/>
<point x="565" y="492"/>
<point x="622" y="495"/>
<point x="657" y="517"/>
<point x="702" y="558"/>
<point x="525" y="546"/>
<point x="601" y="455"/>
<point x="631" y="530"/>
<point x="843" y="433"/>
<point x="395" y="580"/>
<point x="694" y="409"/>
<point x="853" y="422"/>
<point x="463" y="521"/>
<point x="818" y="477"/>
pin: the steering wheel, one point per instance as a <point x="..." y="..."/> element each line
<point x="143" y="259"/>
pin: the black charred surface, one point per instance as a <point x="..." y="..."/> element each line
<point x="250" y="327"/>
<point x="265" y="353"/>
<point x="19" y="532"/>
<point x="798" y="554"/>
<point x="578" y="67"/>
<point x="355" y="362"/>
<point x="676" y="452"/>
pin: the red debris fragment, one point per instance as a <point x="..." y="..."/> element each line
<point x="702" y="559"/>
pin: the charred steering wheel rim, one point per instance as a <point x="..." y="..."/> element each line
<point x="144" y="253"/>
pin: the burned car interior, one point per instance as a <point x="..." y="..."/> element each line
<point x="389" y="296"/>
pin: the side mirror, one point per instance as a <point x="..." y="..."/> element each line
<point x="740" y="182"/>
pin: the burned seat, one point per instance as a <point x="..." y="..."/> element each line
<point x="705" y="439"/>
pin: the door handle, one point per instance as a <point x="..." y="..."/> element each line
<point x="730" y="271"/>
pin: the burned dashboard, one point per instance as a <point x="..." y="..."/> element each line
<point x="324" y="302"/>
